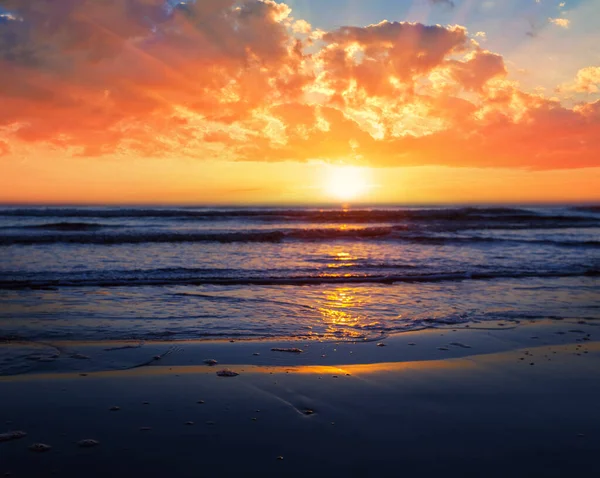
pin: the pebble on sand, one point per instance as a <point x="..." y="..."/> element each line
<point x="40" y="447"/>
<point x="293" y="350"/>
<point x="88" y="443"/>
<point x="211" y="362"/>
<point x="227" y="373"/>
<point x="14" y="435"/>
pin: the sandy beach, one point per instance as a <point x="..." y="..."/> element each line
<point x="455" y="402"/>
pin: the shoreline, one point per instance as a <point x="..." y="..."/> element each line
<point x="26" y="358"/>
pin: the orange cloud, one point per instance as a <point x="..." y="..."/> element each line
<point x="587" y="80"/>
<point x="247" y="81"/>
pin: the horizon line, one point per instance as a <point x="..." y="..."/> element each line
<point x="540" y="203"/>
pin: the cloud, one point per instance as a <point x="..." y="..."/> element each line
<point x="245" y="80"/>
<point x="587" y="80"/>
<point x="560" y="22"/>
<point x="301" y="26"/>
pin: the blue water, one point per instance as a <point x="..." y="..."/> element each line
<point x="344" y="274"/>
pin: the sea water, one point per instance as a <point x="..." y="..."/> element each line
<point x="174" y="273"/>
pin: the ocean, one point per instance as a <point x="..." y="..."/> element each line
<point x="355" y="274"/>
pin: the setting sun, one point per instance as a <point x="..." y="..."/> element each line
<point x="347" y="182"/>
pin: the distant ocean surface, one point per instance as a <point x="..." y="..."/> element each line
<point x="113" y="273"/>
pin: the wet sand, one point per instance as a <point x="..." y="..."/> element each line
<point x="462" y="403"/>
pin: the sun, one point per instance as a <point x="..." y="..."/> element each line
<point x="347" y="182"/>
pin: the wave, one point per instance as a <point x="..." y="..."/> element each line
<point x="170" y="237"/>
<point x="69" y="226"/>
<point x="188" y="273"/>
<point x="398" y="234"/>
<point x="155" y="237"/>
<point x="293" y="280"/>
<point x="364" y="215"/>
<point x="591" y="208"/>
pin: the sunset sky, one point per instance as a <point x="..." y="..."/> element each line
<point x="307" y="101"/>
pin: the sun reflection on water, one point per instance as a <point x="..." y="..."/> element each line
<point x="341" y="259"/>
<point x="343" y="310"/>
